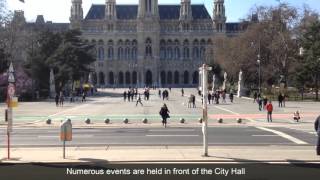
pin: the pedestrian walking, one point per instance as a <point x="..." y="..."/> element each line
<point x="269" y="108"/>
<point x="84" y="94"/>
<point x="265" y="102"/>
<point x="280" y="99"/>
<point x="259" y="100"/>
<point x="182" y="92"/>
<point x="284" y="100"/>
<point x="209" y="98"/>
<point x="193" y="101"/>
<point x="231" y="97"/>
<point x="190" y="101"/>
<point x="61" y="98"/>
<point x="124" y="95"/>
<point x="139" y="101"/>
<point x="224" y="97"/>
<point x="57" y="99"/>
<point x="159" y="93"/>
<point x="317" y="128"/>
<point x="164" y="113"/>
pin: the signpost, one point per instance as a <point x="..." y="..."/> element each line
<point x="204" y="76"/>
<point x="11" y="103"/>
<point x="65" y="134"/>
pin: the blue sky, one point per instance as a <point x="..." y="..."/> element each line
<point x="59" y="10"/>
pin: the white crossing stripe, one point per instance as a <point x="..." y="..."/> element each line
<point x="171" y="130"/>
<point x="284" y="135"/>
<point x="172" y="135"/>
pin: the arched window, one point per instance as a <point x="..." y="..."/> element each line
<point x="176" y="77"/>
<point x="127" y="53"/>
<point x="110" y="50"/>
<point x="134" y="53"/>
<point x="101" y="54"/>
<point x="120" y="53"/>
<point x="162" y="53"/>
<point x="170" y="53"/>
<point x="163" y="77"/>
<point x="148" y="47"/>
<point x="177" y="53"/>
<point x="101" y="78"/>
<point x="162" y="49"/>
<point x="134" y="77"/>
<point x="202" y="53"/>
<point x="195" y="53"/>
<point x="120" y="50"/>
<point x="202" y="49"/>
<point x="186" y="77"/>
<point x="110" y="53"/>
<point x="120" y="78"/>
<point x="169" y="80"/>
<point x="111" y="78"/>
<point x="195" y="77"/>
<point x="186" y="53"/>
<point x="128" y="78"/>
<point x="134" y="50"/>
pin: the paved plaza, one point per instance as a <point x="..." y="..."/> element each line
<point x="285" y="138"/>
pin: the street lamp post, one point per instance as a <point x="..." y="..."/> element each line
<point x="204" y="75"/>
<point x="259" y="72"/>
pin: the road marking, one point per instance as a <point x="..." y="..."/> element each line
<point x="77" y="136"/>
<point x="284" y="135"/>
<point x="265" y="135"/>
<point x="171" y="135"/>
<point x="170" y="130"/>
<point x="224" y="109"/>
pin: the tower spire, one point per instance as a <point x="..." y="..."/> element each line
<point x="76" y="14"/>
<point x="219" y="15"/>
<point x="185" y="10"/>
<point x="110" y="11"/>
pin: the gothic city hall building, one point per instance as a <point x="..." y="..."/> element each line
<point x="149" y="44"/>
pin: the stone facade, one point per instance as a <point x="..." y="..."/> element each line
<point x="149" y="44"/>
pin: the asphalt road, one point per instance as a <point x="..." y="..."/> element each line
<point x="235" y="136"/>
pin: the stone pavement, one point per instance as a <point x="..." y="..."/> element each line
<point x="164" y="153"/>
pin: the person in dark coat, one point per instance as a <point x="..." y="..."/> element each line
<point x="280" y="99"/>
<point x="124" y="95"/>
<point x="317" y="128"/>
<point x="231" y="97"/>
<point x="164" y="113"/>
<point x="209" y="98"/>
<point x="57" y="99"/>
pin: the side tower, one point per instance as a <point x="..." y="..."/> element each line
<point x="185" y="10"/>
<point x="110" y="11"/>
<point x="76" y="14"/>
<point x="219" y="16"/>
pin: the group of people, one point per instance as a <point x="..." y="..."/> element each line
<point x="59" y="99"/>
<point x="215" y="96"/>
<point x="130" y="94"/>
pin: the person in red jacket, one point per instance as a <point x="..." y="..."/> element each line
<point x="269" y="108"/>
